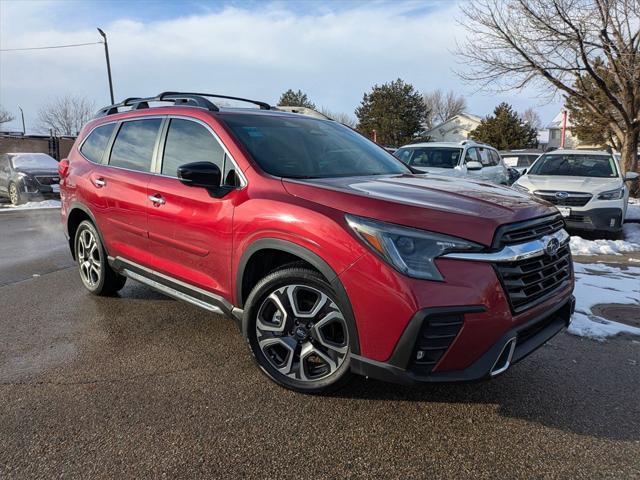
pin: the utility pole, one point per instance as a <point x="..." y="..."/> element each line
<point x="24" y="130"/>
<point x="106" y="53"/>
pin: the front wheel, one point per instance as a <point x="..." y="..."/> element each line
<point x="96" y="274"/>
<point x="15" y="195"/>
<point x="297" y="331"/>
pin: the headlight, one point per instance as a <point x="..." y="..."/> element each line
<point x="408" y="250"/>
<point x="520" y="188"/>
<point x="616" y="194"/>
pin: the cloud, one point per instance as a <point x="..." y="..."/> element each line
<point x="257" y="50"/>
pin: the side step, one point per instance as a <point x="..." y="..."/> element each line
<point x="175" y="288"/>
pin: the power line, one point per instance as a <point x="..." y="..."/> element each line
<point x="46" y="48"/>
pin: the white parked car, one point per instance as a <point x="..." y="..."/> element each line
<point x="586" y="186"/>
<point x="464" y="159"/>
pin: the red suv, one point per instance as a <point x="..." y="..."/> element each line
<point x="332" y="255"/>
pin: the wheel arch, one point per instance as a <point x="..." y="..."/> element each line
<point x="77" y="214"/>
<point x="303" y="254"/>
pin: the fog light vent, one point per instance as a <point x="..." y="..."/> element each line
<point x="436" y="336"/>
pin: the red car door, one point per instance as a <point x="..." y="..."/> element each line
<point x="120" y="189"/>
<point x="189" y="230"/>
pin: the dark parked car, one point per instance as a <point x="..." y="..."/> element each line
<point x="24" y="176"/>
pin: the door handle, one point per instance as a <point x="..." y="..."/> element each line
<point x="157" y="200"/>
<point x="99" y="182"/>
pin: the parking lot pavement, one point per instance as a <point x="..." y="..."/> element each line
<point x="144" y="386"/>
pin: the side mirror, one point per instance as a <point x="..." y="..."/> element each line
<point x="631" y="176"/>
<point x="205" y="175"/>
<point x="472" y="165"/>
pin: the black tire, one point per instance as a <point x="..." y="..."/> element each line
<point x="16" y="196"/>
<point x="329" y="350"/>
<point x="95" y="273"/>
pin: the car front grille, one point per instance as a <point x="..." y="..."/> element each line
<point x="528" y="282"/>
<point x="529" y="230"/>
<point x="48" y="180"/>
<point x="436" y="335"/>
<point x="573" y="199"/>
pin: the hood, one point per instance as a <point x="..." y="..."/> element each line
<point x="569" y="184"/>
<point x="454" y="206"/>
<point x="38" y="171"/>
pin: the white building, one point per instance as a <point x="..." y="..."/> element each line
<point x="455" y="129"/>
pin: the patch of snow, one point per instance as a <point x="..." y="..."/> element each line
<point x="633" y="210"/>
<point x="32" y="205"/>
<point x="631" y="243"/>
<point x="599" y="283"/>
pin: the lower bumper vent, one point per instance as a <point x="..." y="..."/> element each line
<point x="435" y="337"/>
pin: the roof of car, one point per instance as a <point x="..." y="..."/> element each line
<point x="433" y="144"/>
<point x="579" y="152"/>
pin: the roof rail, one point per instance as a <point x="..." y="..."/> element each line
<point x="178" y="98"/>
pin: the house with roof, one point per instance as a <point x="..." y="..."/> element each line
<point x="455" y="129"/>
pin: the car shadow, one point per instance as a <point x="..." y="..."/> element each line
<point x="575" y="385"/>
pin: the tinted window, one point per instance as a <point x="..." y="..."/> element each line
<point x="134" y="144"/>
<point x="472" y="155"/>
<point x="495" y="158"/>
<point x="575" y="165"/>
<point x="93" y="147"/>
<point x="303" y="147"/>
<point x="485" y="159"/>
<point x="435" y="157"/>
<point x="188" y="142"/>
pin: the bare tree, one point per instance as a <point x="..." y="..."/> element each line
<point x="343" y="118"/>
<point x="553" y="44"/>
<point x="443" y="106"/>
<point x="65" y="115"/>
<point x="531" y="118"/>
<point x="5" y="116"/>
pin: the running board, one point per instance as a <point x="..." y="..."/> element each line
<point x="175" y="288"/>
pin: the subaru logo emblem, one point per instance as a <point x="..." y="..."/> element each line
<point x="552" y="247"/>
<point x="561" y="195"/>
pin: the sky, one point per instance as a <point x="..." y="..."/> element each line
<point x="335" y="51"/>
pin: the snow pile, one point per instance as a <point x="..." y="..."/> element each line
<point x="31" y="205"/>
<point x="597" y="284"/>
<point x="631" y="243"/>
<point x="633" y="210"/>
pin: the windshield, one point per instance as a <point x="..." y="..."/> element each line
<point x="304" y="147"/>
<point x="34" y="160"/>
<point x="512" y="160"/>
<point x="575" y="165"/>
<point x="434" y="157"/>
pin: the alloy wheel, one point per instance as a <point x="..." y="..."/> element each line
<point x="302" y="333"/>
<point x="89" y="258"/>
<point x="13" y="194"/>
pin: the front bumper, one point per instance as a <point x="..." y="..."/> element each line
<point x="405" y="367"/>
<point x="595" y="219"/>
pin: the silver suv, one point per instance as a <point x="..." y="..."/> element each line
<point x="465" y="159"/>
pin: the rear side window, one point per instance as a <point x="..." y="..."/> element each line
<point x="93" y="147"/>
<point x="189" y="142"/>
<point x="134" y="144"/>
<point x="495" y="157"/>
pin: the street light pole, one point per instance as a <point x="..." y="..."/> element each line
<point x="106" y="53"/>
<point x="24" y="130"/>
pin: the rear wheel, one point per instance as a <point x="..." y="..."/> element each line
<point x="297" y="331"/>
<point x="96" y="274"/>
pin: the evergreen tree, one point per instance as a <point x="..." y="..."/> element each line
<point x="590" y="127"/>
<point x="296" y="99"/>
<point x="505" y="130"/>
<point x="394" y="110"/>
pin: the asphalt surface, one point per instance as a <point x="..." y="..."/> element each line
<point x="142" y="386"/>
